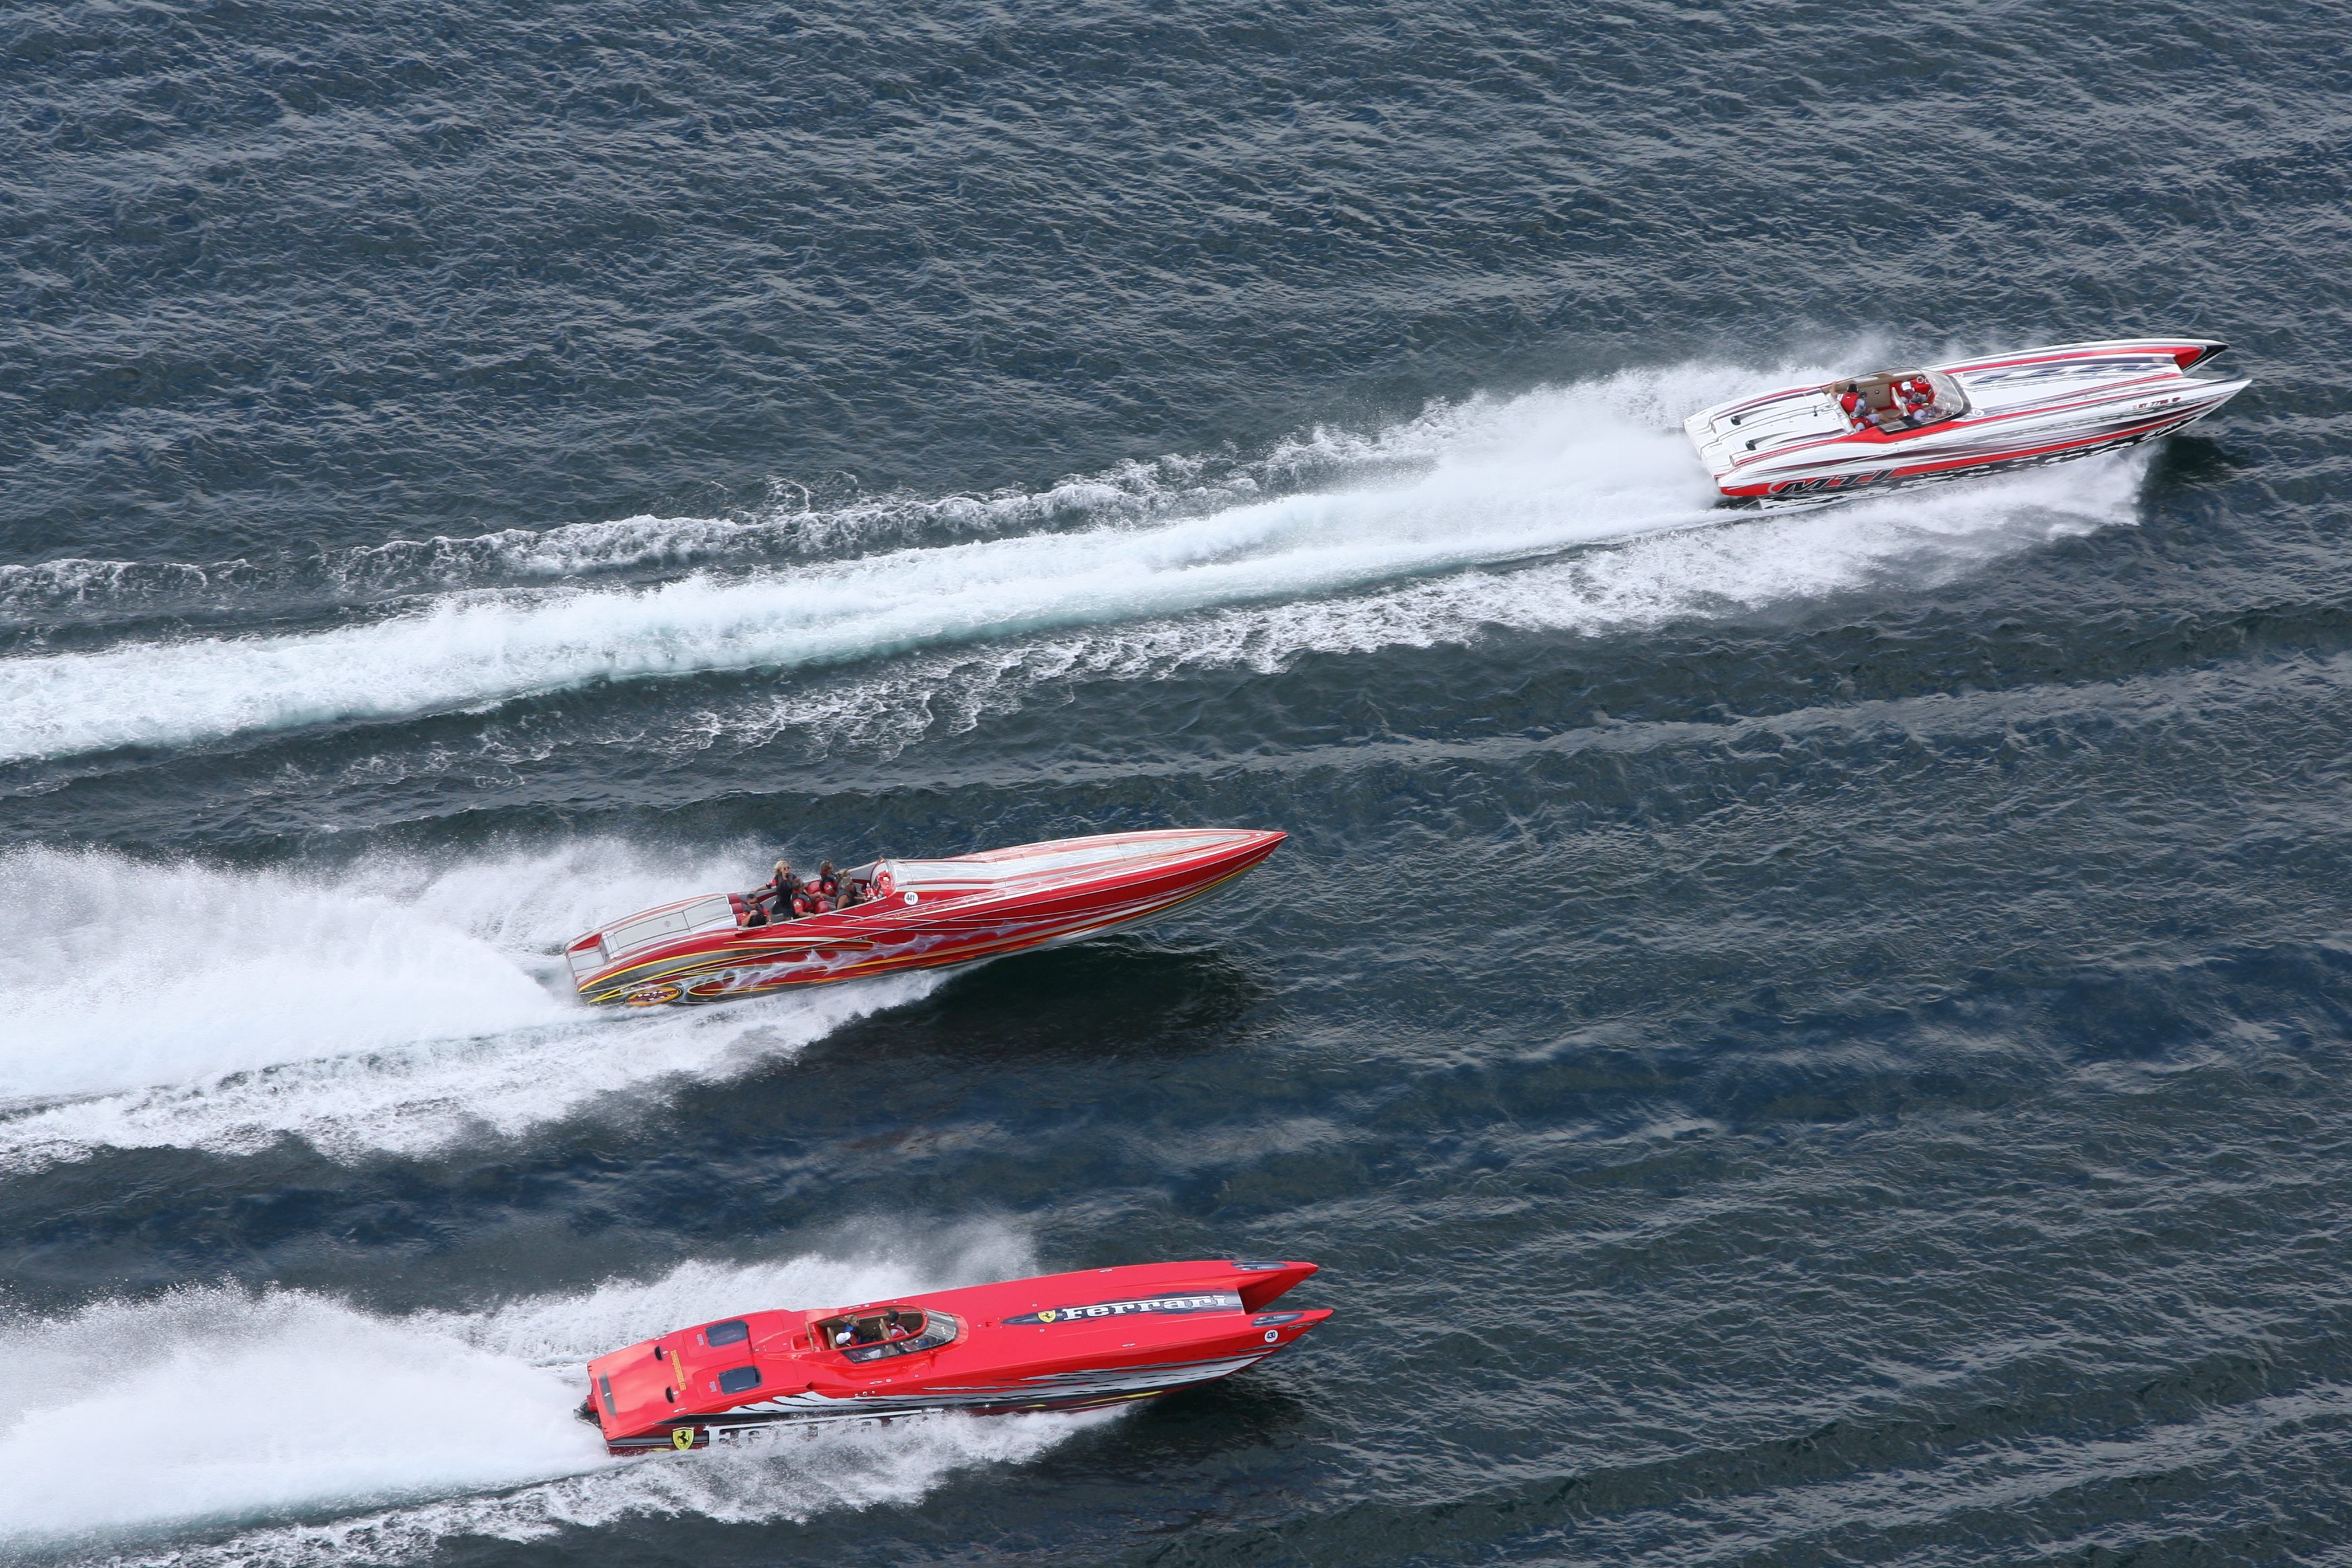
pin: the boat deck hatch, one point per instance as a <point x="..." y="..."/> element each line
<point x="714" y="913"/>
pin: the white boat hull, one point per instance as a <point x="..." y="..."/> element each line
<point x="1797" y="446"/>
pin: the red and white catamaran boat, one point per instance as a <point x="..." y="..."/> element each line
<point x="1870" y="434"/>
<point x="917" y="914"/>
<point x="1060" y="1341"/>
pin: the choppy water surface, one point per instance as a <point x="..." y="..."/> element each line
<point x="1817" y="1039"/>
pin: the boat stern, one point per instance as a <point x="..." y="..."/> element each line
<point x="632" y="1391"/>
<point x="613" y="961"/>
<point x="1734" y="440"/>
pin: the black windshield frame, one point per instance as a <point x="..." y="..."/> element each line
<point x="895" y="1330"/>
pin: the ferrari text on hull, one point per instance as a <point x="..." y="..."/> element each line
<point x="1059" y="1342"/>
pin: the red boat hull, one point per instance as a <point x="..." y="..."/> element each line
<point x="1059" y="1342"/>
<point x="925" y="914"/>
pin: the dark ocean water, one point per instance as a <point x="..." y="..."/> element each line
<point x="1819" y="1040"/>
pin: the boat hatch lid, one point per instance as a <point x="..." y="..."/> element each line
<point x="713" y="913"/>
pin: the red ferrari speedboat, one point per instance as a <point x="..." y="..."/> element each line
<point x="1060" y="1341"/>
<point x="917" y="914"/>
<point x="1870" y="434"/>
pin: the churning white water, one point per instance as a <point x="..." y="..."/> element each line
<point x="295" y="1428"/>
<point x="392" y="1004"/>
<point x="1491" y="481"/>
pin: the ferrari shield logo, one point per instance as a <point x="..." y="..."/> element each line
<point x="681" y="1437"/>
<point x="1049" y="1315"/>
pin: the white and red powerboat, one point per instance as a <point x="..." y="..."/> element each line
<point x="915" y="914"/>
<point x="1060" y="1341"/>
<point x="1869" y="434"/>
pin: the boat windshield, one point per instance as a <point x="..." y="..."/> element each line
<point x="888" y="1331"/>
<point x="1896" y="401"/>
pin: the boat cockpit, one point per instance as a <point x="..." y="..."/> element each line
<point x="889" y="1331"/>
<point x="1898" y="401"/>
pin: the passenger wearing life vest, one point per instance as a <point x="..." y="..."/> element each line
<point x="782" y="898"/>
<point x="824" y="892"/>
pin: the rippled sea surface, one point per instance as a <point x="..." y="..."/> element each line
<point x="1814" y="1039"/>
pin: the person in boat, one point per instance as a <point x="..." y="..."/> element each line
<point x="826" y="890"/>
<point x="779" y="899"/>
<point x="1884" y="408"/>
<point x="807" y="901"/>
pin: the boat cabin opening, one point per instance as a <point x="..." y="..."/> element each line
<point x="885" y="1331"/>
<point x="1896" y="401"/>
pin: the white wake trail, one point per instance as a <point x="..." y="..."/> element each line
<point x="1598" y="471"/>
<point x="291" y="1428"/>
<point x="395" y="1006"/>
<point x="1908" y="543"/>
<point x="1503" y="481"/>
